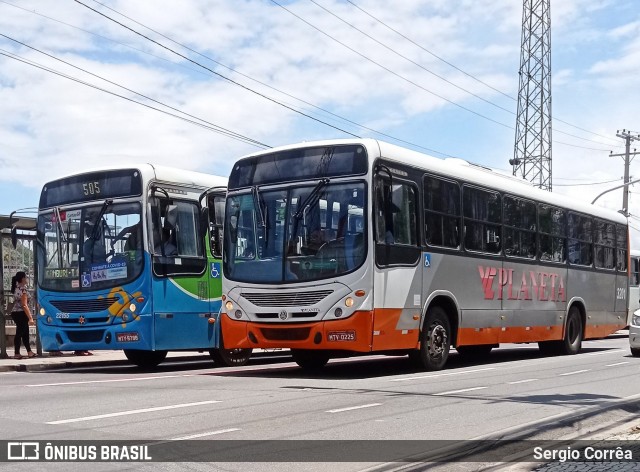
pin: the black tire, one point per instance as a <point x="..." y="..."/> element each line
<point x="230" y="357"/>
<point x="310" y="359"/>
<point x="472" y="353"/>
<point x="435" y="340"/>
<point x="635" y="352"/>
<point x="145" y="359"/>
<point x="549" y="348"/>
<point x="573" y="333"/>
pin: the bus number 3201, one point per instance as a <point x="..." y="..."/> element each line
<point x="621" y="293"/>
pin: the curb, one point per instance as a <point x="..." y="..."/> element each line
<point x="39" y="366"/>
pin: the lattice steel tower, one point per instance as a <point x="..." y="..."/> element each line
<point x="532" y="150"/>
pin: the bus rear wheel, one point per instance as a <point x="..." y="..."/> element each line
<point x="435" y="340"/>
<point x="145" y="359"/>
<point x="230" y="357"/>
<point x="310" y="359"/>
<point x="573" y="333"/>
<point x="471" y="353"/>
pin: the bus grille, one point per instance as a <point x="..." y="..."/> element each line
<point x="296" y="314"/>
<point x="287" y="299"/>
<point x="84" y="306"/>
<point x="101" y="319"/>
<point x="88" y="336"/>
<point x="291" y="334"/>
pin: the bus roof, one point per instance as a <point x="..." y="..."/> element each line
<point x="163" y="174"/>
<point x="462" y="170"/>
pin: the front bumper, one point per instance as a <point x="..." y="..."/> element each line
<point x="350" y="334"/>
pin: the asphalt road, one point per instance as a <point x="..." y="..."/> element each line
<point x="517" y="391"/>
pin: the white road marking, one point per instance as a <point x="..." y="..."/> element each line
<point x="451" y="392"/>
<point x="83" y="382"/>
<point x="617" y="363"/>
<point x="132" y="412"/>
<point x="522" y="381"/>
<point x="202" y="435"/>
<point x="612" y="351"/>
<point x="441" y="375"/>
<point x="339" y="410"/>
<point x="575" y="372"/>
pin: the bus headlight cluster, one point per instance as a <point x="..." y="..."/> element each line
<point x="635" y="320"/>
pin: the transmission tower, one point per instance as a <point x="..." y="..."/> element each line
<point x="532" y="150"/>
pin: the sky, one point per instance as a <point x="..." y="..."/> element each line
<point x="438" y="76"/>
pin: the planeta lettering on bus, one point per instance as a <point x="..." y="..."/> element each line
<point x="529" y="285"/>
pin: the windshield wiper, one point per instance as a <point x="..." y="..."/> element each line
<point x="257" y="201"/>
<point x="96" y="227"/>
<point x="312" y="198"/>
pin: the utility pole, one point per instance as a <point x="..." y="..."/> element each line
<point x="628" y="157"/>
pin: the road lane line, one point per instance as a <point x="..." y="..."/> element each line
<point x="202" y="435"/>
<point x="339" y="410"/>
<point x="441" y="375"/>
<point x="612" y="351"/>
<point x="451" y="392"/>
<point x="617" y="363"/>
<point x="132" y="412"/>
<point x="522" y="381"/>
<point x="83" y="382"/>
<point x="575" y="372"/>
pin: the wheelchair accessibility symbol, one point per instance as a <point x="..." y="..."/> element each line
<point x="427" y="259"/>
<point x="86" y="280"/>
<point x="215" y="270"/>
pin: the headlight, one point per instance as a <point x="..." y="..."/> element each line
<point x="41" y="311"/>
<point x="635" y="320"/>
<point x="132" y="308"/>
<point x="228" y="306"/>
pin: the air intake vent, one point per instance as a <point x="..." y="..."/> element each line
<point x="287" y="299"/>
<point x="84" y="306"/>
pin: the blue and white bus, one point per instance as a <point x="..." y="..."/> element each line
<point x="129" y="258"/>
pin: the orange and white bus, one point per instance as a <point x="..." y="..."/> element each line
<point x="361" y="246"/>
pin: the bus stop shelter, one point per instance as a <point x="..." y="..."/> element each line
<point x="20" y="258"/>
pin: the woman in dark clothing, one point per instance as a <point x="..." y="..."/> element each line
<point x="21" y="314"/>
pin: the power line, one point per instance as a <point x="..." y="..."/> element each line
<point x="410" y="60"/>
<point x="231" y="135"/>
<point x="217" y="73"/>
<point x="347" y="120"/>
<point x="587" y="184"/>
<point x="133" y="91"/>
<point x="462" y="71"/>
<point x="413" y="82"/>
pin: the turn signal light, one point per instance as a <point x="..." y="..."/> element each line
<point x="212" y="320"/>
<point x="359" y="293"/>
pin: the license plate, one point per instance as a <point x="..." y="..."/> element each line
<point x="341" y="335"/>
<point x="127" y="337"/>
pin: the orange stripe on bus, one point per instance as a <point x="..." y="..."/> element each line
<point x="387" y="336"/>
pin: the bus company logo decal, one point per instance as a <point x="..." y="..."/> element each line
<point x="82" y="320"/>
<point x="527" y="285"/>
<point x="283" y="315"/>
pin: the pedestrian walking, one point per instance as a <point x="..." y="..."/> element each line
<point x="21" y="314"/>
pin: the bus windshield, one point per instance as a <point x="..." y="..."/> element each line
<point x="295" y="234"/>
<point x="89" y="248"/>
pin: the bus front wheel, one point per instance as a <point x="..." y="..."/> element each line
<point x="435" y="340"/>
<point x="230" y="357"/>
<point x="310" y="359"/>
<point x="145" y="359"/>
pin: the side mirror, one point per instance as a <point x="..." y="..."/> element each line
<point x="204" y="221"/>
<point x="14" y="237"/>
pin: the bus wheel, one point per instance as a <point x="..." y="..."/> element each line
<point x="230" y="357"/>
<point x="572" y="341"/>
<point x="145" y="359"/>
<point x="434" y="340"/>
<point x="310" y="359"/>
<point x="471" y="353"/>
<point x="635" y="352"/>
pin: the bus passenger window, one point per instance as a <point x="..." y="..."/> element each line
<point x="482" y="220"/>
<point x="442" y="212"/>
